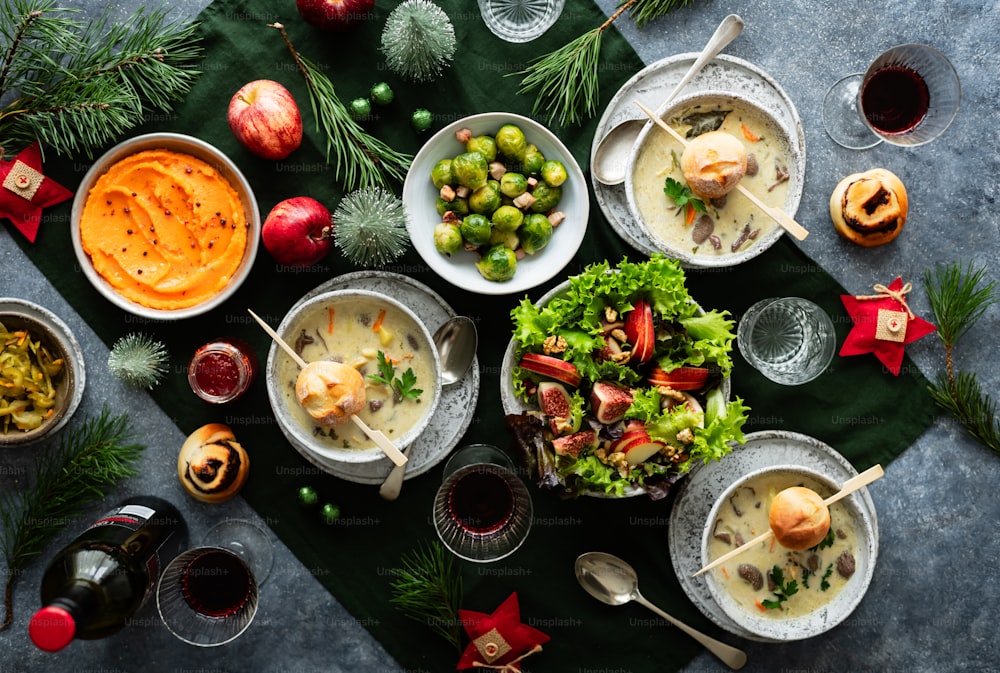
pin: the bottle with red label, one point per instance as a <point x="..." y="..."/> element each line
<point x="101" y="579"/>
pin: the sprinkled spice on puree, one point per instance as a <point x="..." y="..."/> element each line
<point x="164" y="228"/>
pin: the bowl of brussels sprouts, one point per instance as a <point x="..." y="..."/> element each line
<point x="496" y="203"/>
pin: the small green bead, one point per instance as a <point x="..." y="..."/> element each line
<point x="308" y="496"/>
<point x="330" y="513"/>
<point x="360" y="108"/>
<point x="381" y="94"/>
<point x="421" y="120"/>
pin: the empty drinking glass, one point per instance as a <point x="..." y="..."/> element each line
<point x="789" y="340"/>
<point x="520" y="20"/>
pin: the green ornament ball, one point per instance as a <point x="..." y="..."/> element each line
<point x="308" y="496"/>
<point x="360" y="108"/>
<point x="381" y="94"/>
<point x="421" y="120"/>
<point x="330" y="513"/>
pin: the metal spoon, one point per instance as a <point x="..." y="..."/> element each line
<point x="612" y="153"/>
<point x="456" y="341"/>
<point x="611" y="580"/>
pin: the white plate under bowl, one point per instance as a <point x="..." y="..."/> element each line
<point x="420" y="199"/>
<point x="696" y="495"/>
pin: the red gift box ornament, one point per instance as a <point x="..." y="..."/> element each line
<point x="26" y="190"/>
<point x="883" y="324"/>
<point x="499" y="640"/>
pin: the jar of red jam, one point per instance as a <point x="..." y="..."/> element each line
<point x="222" y="370"/>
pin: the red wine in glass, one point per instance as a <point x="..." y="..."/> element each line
<point x="216" y="583"/>
<point x="894" y="99"/>
<point x="481" y="502"/>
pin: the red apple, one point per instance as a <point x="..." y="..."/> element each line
<point x="298" y="231"/>
<point x="640" y="331"/>
<point x="265" y="119"/>
<point x="551" y="367"/>
<point x="637" y="445"/>
<point x="681" y="378"/>
<point x="335" y="15"/>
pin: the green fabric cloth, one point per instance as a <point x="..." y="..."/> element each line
<point x="861" y="410"/>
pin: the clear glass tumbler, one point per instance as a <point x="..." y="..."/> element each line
<point x="520" y="20"/>
<point x="789" y="340"/>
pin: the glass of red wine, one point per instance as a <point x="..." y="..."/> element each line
<point x="908" y="96"/>
<point x="207" y="596"/>
<point x="482" y="511"/>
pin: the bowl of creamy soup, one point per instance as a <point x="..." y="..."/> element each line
<point x="774" y="592"/>
<point x="723" y="231"/>
<point x="165" y="226"/>
<point x="390" y="348"/>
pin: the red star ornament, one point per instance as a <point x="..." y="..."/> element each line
<point x="883" y="324"/>
<point x="25" y="191"/>
<point x="499" y="640"/>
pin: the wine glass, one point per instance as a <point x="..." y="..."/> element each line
<point x="482" y="511"/>
<point x="908" y="96"/>
<point x="207" y="596"/>
<point x="520" y="20"/>
<point x="789" y="340"/>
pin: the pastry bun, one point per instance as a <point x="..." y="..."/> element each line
<point x="799" y="518"/>
<point x="713" y="163"/>
<point x="869" y="208"/>
<point x="331" y="392"/>
<point x="212" y="465"/>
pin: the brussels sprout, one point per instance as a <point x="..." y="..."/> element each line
<point x="535" y="233"/>
<point x="513" y="184"/>
<point x="486" y="199"/>
<point x="553" y="172"/>
<point x="460" y="206"/>
<point x="470" y="170"/>
<point x="441" y="174"/>
<point x="511" y="141"/>
<point x="447" y="239"/>
<point x="507" y="218"/>
<point x="531" y="162"/>
<point x="499" y="263"/>
<point x="508" y="239"/>
<point x="546" y="197"/>
<point x="485" y="145"/>
<point x="476" y="229"/>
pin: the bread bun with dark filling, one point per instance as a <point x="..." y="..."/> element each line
<point x="799" y="518"/>
<point x="869" y="208"/>
<point x="212" y="465"/>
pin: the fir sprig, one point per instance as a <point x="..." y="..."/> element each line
<point x="566" y="81"/>
<point x="77" y="86"/>
<point x="371" y="227"/>
<point x="428" y="589"/>
<point x="139" y="360"/>
<point x="90" y="459"/>
<point x="958" y="300"/>
<point x="359" y="160"/>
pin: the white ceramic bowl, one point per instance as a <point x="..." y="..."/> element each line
<point x="43" y="325"/>
<point x="187" y="145"/>
<point x="420" y="199"/>
<point x="301" y="435"/>
<point x="705" y="255"/>
<point x="831" y="613"/>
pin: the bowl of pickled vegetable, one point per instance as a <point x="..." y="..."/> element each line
<point x="41" y="372"/>
<point x="496" y="203"/>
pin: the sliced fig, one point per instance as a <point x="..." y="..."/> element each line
<point x="609" y="402"/>
<point x="573" y="445"/>
<point x="611" y="350"/>
<point x="555" y="403"/>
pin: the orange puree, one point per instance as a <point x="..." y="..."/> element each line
<point x="165" y="229"/>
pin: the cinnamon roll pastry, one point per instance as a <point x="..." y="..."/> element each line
<point x="212" y="465"/>
<point x="869" y="208"/>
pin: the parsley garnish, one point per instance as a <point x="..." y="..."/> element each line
<point x="825" y="542"/>
<point x="682" y="195"/>
<point x="402" y="388"/>
<point x="782" y="591"/>
<point x="824" y="584"/>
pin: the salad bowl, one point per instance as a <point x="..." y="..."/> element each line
<point x="616" y="382"/>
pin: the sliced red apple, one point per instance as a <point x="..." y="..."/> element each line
<point x="637" y="445"/>
<point x="609" y="402"/>
<point x="575" y="444"/>
<point x="681" y="378"/>
<point x="640" y="331"/>
<point x="551" y="367"/>
<point x="611" y="350"/>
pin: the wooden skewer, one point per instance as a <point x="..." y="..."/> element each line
<point x="850" y="486"/>
<point x="777" y="214"/>
<point x="377" y="436"/>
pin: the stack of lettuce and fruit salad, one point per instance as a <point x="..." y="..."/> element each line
<point x="622" y="373"/>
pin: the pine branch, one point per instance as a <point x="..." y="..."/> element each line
<point x="428" y="589"/>
<point x="92" y="458"/>
<point x="644" y="11"/>
<point x="965" y="399"/>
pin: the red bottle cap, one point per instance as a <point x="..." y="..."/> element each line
<point x="52" y="628"/>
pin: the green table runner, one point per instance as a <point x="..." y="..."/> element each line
<point x="857" y="407"/>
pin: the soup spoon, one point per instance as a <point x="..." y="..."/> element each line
<point x="611" y="580"/>
<point x="377" y="436"/>
<point x="456" y="341"/>
<point x="613" y="150"/>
